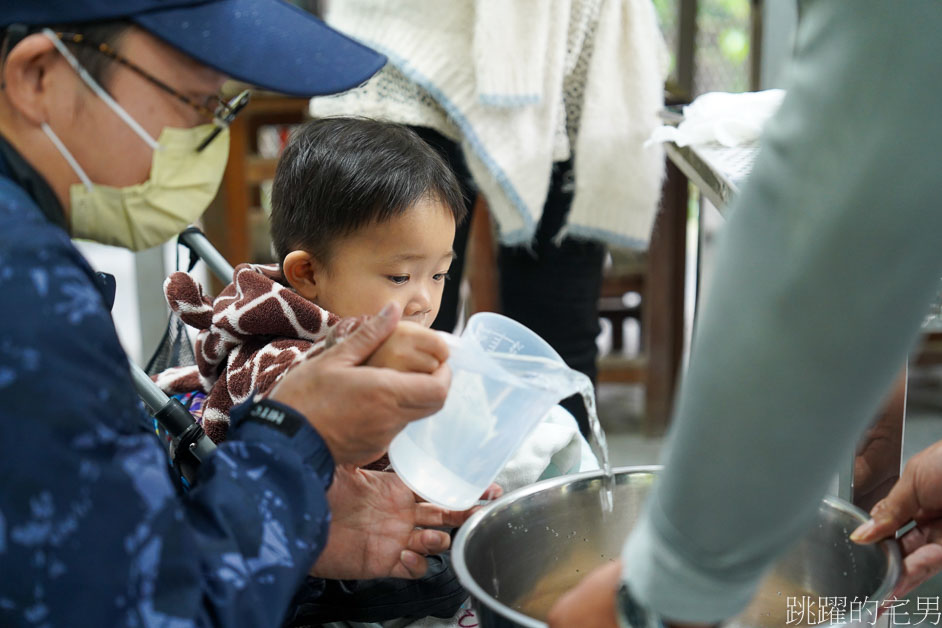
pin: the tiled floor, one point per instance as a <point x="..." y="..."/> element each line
<point x="621" y="409"/>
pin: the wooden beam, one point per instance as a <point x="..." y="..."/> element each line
<point x="686" y="48"/>
<point x="663" y="302"/>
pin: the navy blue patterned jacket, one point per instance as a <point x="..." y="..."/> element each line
<point x="94" y="530"/>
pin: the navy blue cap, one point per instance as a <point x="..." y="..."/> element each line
<point x="267" y="43"/>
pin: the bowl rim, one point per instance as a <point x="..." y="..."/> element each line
<point x="890" y="547"/>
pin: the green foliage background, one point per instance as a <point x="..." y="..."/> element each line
<point x="722" y="53"/>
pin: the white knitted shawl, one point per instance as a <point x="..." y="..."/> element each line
<point x="520" y="83"/>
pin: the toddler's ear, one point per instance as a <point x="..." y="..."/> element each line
<point x="300" y="269"/>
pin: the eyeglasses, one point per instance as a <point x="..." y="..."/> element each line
<point x="221" y="112"/>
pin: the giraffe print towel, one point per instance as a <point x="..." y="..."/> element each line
<point x="249" y="336"/>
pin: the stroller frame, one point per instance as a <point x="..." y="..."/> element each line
<point x="189" y="444"/>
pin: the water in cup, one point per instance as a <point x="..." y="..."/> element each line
<point x="505" y="379"/>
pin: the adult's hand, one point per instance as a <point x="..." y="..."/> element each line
<point x="592" y="603"/>
<point x="378" y="528"/>
<point x="916" y="496"/>
<point x="358" y="410"/>
<point x="411" y="348"/>
<point x="876" y="466"/>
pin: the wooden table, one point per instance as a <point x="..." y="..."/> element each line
<point x="717" y="171"/>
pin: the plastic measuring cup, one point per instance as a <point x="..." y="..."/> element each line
<point x="505" y="378"/>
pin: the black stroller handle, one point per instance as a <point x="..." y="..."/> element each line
<point x="190" y="445"/>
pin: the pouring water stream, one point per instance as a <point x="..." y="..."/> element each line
<point x="551" y="375"/>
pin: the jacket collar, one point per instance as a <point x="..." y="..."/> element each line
<point x="14" y="167"/>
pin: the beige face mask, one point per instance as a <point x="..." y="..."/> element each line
<point x="181" y="185"/>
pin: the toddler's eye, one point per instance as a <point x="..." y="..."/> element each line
<point x="441" y="276"/>
<point x="398" y="279"/>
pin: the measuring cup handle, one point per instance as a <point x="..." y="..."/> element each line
<point x="453" y="341"/>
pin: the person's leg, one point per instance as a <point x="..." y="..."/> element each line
<point x="554" y="289"/>
<point x="447" y="317"/>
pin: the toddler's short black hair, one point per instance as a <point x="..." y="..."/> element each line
<point x="337" y="175"/>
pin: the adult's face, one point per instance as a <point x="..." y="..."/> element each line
<point x="43" y="87"/>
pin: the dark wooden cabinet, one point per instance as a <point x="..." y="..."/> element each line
<point x="235" y="223"/>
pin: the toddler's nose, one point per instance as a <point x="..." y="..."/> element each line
<point x="420" y="303"/>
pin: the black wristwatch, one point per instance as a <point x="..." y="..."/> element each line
<point x="629" y="613"/>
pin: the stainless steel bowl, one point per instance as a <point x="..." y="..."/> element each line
<point x="519" y="554"/>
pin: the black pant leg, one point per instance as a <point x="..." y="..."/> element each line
<point x="554" y="289"/>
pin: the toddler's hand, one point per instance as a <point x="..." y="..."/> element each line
<point x="411" y="348"/>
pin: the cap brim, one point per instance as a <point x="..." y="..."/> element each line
<point x="267" y="43"/>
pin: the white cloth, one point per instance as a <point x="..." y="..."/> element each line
<point x="524" y="83"/>
<point x="724" y="118"/>
<point x="555" y="447"/>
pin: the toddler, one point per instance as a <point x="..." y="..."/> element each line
<point x="363" y="214"/>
